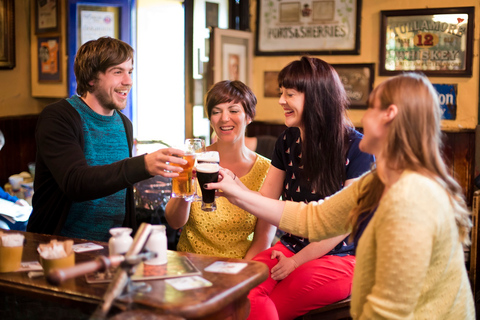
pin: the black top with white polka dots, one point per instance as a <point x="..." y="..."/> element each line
<point x="287" y="155"/>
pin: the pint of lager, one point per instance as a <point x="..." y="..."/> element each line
<point x="206" y="173"/>
<point x="196" y="145"/>
<point x="182" y="186"/>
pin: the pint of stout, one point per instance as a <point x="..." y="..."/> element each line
<point x="206" y="173"/>
<point x="182" y="186"/>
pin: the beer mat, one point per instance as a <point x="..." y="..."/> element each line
<point x="177" y="266"/>
<point x="30" y="266"/>
<point x="88" y="246"/>
<point x="188" y="283"/>
<point x="226" y="267"/>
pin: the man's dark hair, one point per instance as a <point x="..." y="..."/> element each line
<point x="97" y="56"/>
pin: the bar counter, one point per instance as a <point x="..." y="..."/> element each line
<point x="225" y="299"/>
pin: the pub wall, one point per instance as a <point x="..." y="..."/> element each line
<point x="468" y="88"/>
<point x="15" y="84"/>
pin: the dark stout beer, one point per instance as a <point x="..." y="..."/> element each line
<point x="206" y="173"/>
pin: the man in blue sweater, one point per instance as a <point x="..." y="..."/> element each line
<point x="85" y="171"/>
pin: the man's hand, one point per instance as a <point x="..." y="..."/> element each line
<point x="284" y="267"/>
<point x="160" y="162"/>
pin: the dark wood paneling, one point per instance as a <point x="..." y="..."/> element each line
<point x="20" y="146"/>
<point x="258" y="128"/>
<point x="458" y="152"/>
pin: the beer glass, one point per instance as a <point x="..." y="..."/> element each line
<point x="198" y="145"/>
<point x="183" y="186"/>
<point x="207" y="172"/>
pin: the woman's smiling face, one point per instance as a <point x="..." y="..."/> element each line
<point x="229" y="121"/>
<point x="292" y="102"/>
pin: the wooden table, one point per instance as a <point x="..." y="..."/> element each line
<point x="225" y="299"/>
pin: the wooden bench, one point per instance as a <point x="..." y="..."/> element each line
<point x="20" y="146"/>
<point x="336" y="311"/>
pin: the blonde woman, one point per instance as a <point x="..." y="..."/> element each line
<point x="408" y="217"/>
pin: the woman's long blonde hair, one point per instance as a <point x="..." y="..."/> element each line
<point x="414" y="143"/>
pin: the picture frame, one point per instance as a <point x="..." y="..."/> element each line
<point x="270" y="84"/>
<point x="7" y="34"/>
<point x="436" y="42"/>
<point x="48" y="53"/>
<point x="47" y="16"/>
<point x="97" y="21"/>
<point x="314" y="27"/>
<point x="84" y="23"/>
<point x="231" y="56"/>
<point x="211" y="14"/>
<point x="357" y="80"/>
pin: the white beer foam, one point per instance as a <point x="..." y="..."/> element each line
<point x="11" y="239"/>
<point x="209" y="156"/>
<point x="208" y="167"/>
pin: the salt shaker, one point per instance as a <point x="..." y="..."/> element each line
<point x="120" y="241"/>
<point x="157" y="242"/>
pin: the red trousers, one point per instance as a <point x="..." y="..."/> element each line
<point x="312" y="285"/>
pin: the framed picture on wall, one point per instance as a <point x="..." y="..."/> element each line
<point x="47" y="16"/>
<point x="436" y="42"/>
<point x="211" y="14"/>
<point x="97" y="21"/>
<point x="7" y="34"/>
<point x="48" y="50"/>
<point x="357" y="80"/>
<point x="270" y="84"/>
<point x="293" y="27"/>
<point x="231" y="56"/>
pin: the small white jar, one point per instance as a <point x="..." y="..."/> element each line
<point x="157" y="242"/>
<point x="120" y="241"/>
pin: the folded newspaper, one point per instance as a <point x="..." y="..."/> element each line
<point x="14" y="212"/>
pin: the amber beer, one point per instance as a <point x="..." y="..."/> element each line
<point x="182" y="186"/>
<point x="206" y="173"/>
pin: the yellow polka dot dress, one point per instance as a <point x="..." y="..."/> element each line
<point x="227" y="231"/>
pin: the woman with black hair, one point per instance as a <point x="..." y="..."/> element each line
<point x="315" y="157"/>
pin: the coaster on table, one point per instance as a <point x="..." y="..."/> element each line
<point x="226" y="267"/>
